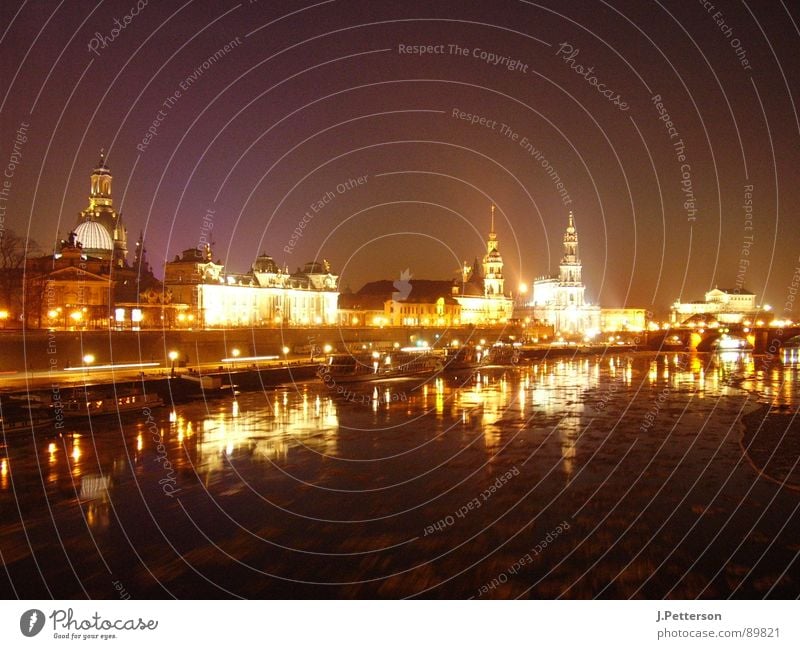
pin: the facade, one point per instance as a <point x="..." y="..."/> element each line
<point x="68" y="290"/>
<point x="623" y="319"/>
<point x="405" y="303"/>
<point x="441" y="311"/>
<point x="362" y="309"/>
<point x="266" y="295"/>
<point x="560" y="301"/>
<point x="725" y="305"/>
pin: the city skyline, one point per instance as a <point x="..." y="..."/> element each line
<point x="326" y="300"/>
<point x="395" y="138"/>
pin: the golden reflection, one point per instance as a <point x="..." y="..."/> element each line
<point x="269" y="435"/>
<point x="569" y="429"/>
<point x="76" y="448"/>
<point x="4" y="473"/>
<point x="51" y="453"/>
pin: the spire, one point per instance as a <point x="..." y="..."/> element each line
<point x="101" y="167"/>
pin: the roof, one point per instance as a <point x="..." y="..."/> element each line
<point x="361" y="302"/>
<point x="93" y="236"/>
<point x="265" y="264"/>
<point x="734" y="291"/>
<point x="416" y="291"/>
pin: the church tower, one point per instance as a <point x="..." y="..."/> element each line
<point x="570" y="285"/>
<point x="101" y="211"/>
<point x="492" y="266"/>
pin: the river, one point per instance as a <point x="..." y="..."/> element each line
<point x="614" y="476"/>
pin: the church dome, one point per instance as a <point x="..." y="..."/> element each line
<point x="94" y="237"/>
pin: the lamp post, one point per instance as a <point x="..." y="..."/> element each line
<point x="285" y="351"/>
<point x="235" y="353"/>
<point x="173" y="356"/>
<point x="88" y="359"/>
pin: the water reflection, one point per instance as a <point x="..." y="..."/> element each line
<point x="269" y="428"/>
<point x="401" y="458"/>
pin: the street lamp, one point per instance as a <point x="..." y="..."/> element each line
<point x="88" y="359"/>
<point x="285" y="351"/>
<point x="173" y="356"/>
<point x="235" y="353"/>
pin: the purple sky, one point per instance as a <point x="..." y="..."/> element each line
<point x="310" y="95"/>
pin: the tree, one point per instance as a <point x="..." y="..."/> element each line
<point x="14" y="250"/>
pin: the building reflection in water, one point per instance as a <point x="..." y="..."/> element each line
<point x="265" y="434"/>
<point x="550" y="396"/>
<point x="4" y="473"/>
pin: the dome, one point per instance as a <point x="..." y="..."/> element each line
<point x="93" y="236"/>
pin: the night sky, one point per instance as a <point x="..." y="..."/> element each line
<point x="311" y="95"/>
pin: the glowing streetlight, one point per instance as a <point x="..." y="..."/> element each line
<point x="235" y="354"/>
<point x="173" y="356"/>
<point x="88" y="359"/>
<point x="523" y="288"/>
<point x="327" y="349"/>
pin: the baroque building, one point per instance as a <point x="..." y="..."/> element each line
<point x="87" y="281"/>
<point x="560" y="301"/>
<point x="725" y="305"/>
<point x="267" y="295"/>
<point x="482" y="298"/>
<point x="100" y="230"/>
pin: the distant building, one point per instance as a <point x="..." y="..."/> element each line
<point x="725" y="305"/>
<point x="477" y="297"/>
<point x="266" y="295"/>
<point x="100" y="230"/>
<point x="483" y="299"/>
<point x="84" y="282"/>
<point x="422" y="302"/>
<point x="68" y="289"/>
<point x="623" y="319"/>
<point x="362" y="309"/>
<point x="560" y="301"/>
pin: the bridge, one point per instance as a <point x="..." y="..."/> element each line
<point x="765" y="340"/>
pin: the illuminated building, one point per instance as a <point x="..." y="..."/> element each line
<point x="88" y="277"/>
<point x="68" y="289"/>
<point x="100" y="229"/>
<point x="725" y="305"/>
<point x="483" y="299"/>
<point x="478" y="298"/>
<point x="266" y="295"/>
<point x="623" y="319"/>
<point x="560" y="301"/>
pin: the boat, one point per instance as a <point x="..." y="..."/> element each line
<point x="86" y="403"/>
<point x="463" y="358"/>
<point x="379" y="366"/>
<point x="731" y="343"/>
<point x="500" y="355"/>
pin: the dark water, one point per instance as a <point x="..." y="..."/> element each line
<point x="616" y="476"/>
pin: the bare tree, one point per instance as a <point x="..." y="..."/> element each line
<point x="14" y="250"/>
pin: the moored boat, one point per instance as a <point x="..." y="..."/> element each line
<point x="84" y="403"/>
<point x="379" y="366"/>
